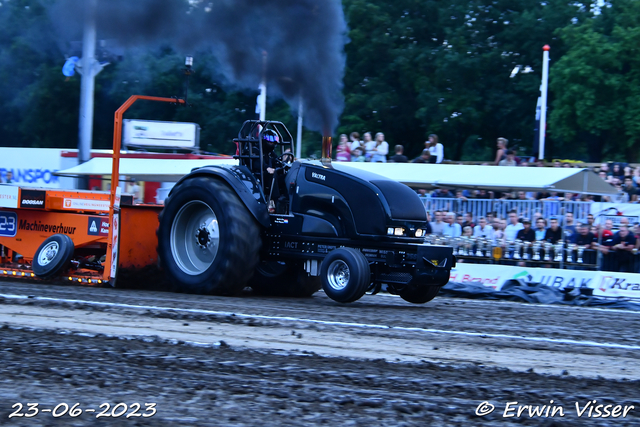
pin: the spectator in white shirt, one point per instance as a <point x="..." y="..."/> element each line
<point x="498" y="230"/>
<point x="510" y="160"/>
<point x="436" y="149"/>
<point x="451" y="227"/>
<point x="369" y="144"/>
<point x="483" y="229"/>
<point x="354" y="140"/>
<point x="437" y="226"/>
<point x="513" y="227"/>
<point x="380" y="150"/>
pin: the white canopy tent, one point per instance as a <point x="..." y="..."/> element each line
<point x="156" y="170"/>
<point x="416" y="175"/>
<point x="495" y="178"/>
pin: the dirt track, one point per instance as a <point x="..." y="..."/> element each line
<point x="257" y="361"/>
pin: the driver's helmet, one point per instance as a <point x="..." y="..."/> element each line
<point x="270" y="139"/>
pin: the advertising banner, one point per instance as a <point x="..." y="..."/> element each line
<point x="32" y="199"/>
<point x="486" y="274"/>
<point x="8" y="196"/>
<point x="496" y="275"/>
<point x="84" y="204"/>
<point x="31" y="167"/>
<point x="114" y="246"/>
<point x="150" y="133"/>
<point x="98" y="226"/>
<point x="605" y="284"/>
<point x="8" y="224"/>
<point x="609" y="284"/>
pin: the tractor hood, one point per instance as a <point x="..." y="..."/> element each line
<point x="404" y="203"/>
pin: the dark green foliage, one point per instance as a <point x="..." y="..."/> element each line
<point x="414" y="67"/>
<point x="417" y="67"/>
<point x="597" y="85"/>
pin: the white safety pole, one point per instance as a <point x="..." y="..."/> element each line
<point x="263" y="88"/>
<point x="298" y="152"/>
<point x="88" y="84"/>
<point x="543" y="106"/>
<point x="263" y="101"/>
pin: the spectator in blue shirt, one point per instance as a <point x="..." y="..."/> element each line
<point x="569" y="228"/>
<point x="541" y="228"/>
<point x="442" y="192"/>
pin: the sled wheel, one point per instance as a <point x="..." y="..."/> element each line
<point x="53" y="256"/>
<point x="420" y="295"/>
<point x="276" y="278"/>
<point x="345" y="275"/>
<point x="208" y="241"/>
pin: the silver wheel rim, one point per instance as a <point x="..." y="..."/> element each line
<point x="195" y="237"/>
<point x="338" y="275"/>
<point x="48" y="253"/>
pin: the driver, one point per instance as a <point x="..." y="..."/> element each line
<point x="270" y="140"/>
<point x="274" y="187"/>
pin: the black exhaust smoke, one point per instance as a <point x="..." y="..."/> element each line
<point x="303" y="39"/>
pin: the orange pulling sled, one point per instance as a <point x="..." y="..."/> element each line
<point x="81" y="236"/>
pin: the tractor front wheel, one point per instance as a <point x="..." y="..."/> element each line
<point x="345" y="275"/>
<point x="53" y="256"/>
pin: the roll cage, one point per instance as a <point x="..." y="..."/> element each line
<point x="249" y="150"/>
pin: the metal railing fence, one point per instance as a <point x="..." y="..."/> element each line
<point x="524" y="208"/>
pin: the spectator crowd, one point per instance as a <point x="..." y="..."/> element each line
<point x="376" y="150"/>
<point x="523" y="225"/>
<point x="622" y="243"/>
<point x="622" y="176"/>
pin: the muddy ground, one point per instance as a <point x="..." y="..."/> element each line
<point x="255" y="361"/>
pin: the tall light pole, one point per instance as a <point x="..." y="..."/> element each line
<point x="543" y="104"/>
<point x="88" y="85"/>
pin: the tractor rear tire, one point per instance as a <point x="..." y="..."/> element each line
<point x="345" y="275"/>
<point x="53" y="256"/>
<point x="274" y="278"/>
<point x="208" y="241"/>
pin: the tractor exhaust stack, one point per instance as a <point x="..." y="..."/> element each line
<point x="327" y="142"/>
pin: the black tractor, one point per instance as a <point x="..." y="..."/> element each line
<point x="288" y="228"/>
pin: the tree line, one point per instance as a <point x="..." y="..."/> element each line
<point x="414" y="67"/>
